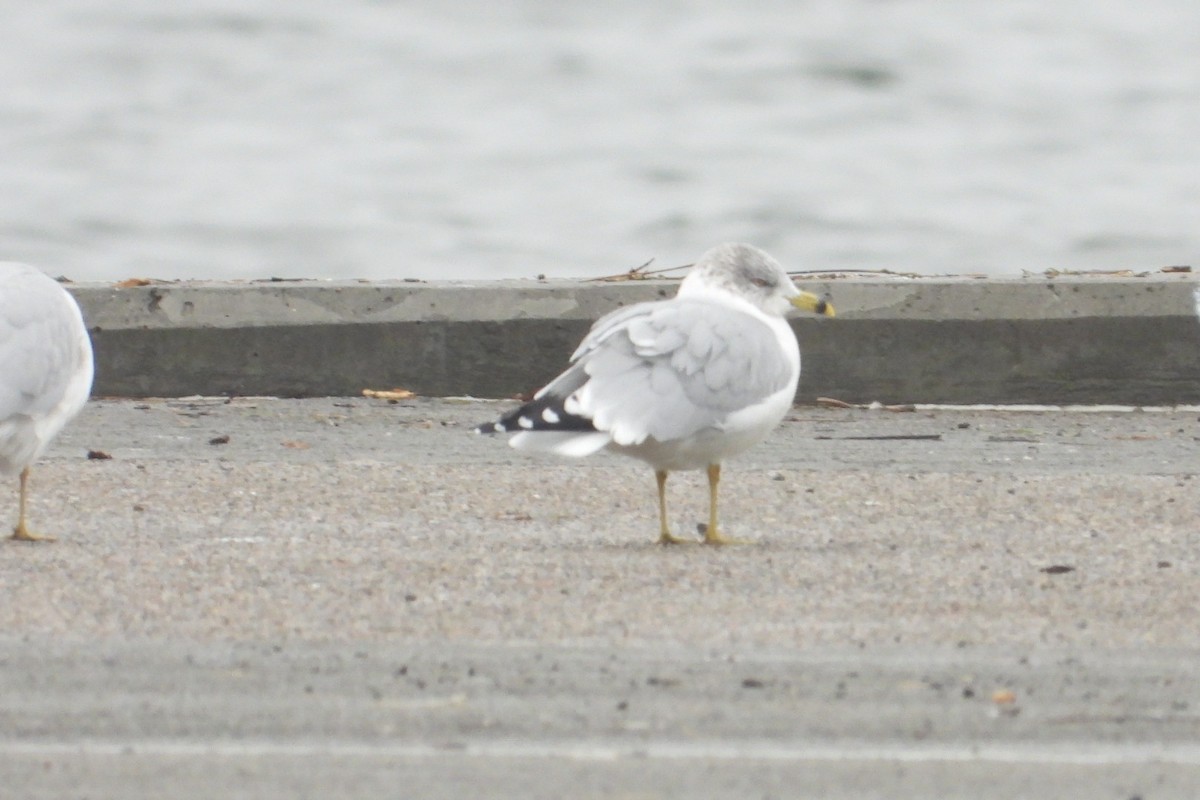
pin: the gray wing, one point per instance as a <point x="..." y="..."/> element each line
<point x="39" y="344"/>
<point x="668" y="370"/>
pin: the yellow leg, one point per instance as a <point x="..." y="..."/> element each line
<point x="664" y="529"/>
<point x="712" y="534"/>
<point x="21" y="533"/>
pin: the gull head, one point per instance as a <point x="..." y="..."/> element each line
<point x="748" y="273"/>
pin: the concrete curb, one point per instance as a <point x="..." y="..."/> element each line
<point x="959" y="340"/>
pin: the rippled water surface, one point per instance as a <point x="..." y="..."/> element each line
<point x="470" y="139"/>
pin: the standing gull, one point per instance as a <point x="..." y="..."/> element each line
<point x="45" y="370"/>
<point x="682" y="383"/>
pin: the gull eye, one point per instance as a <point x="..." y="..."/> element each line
<point x="761" y="283"/>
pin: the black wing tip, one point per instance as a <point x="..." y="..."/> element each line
<point x="542" y="414"/>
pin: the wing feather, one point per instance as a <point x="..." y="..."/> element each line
<point x="38" y="351"/>
<point x="662" y="371"/>
<point x="667" y="370"/>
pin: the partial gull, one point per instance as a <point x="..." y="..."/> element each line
<point x="45" y="371"/>
<point x="682" y="383"/>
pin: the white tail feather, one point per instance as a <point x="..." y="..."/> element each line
<point x="573" y="444"/>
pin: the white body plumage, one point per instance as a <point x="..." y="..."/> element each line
<point x="45" y="363"/>
<point x="45" y="367"/>
<point x="734" y="432"/>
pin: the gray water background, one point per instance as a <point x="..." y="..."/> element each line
<point x="473" y="139"/>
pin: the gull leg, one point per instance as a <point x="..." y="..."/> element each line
<point x="21" y="533"/>
<point x="712" y="534"/>
<point x="664" y="535"/>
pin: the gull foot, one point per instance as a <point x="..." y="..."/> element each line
<point x="666" y="538"/>
<point x="23" y="534"/>
<point x="718" y="539"/>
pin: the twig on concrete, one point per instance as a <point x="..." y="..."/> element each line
<point x="833" y="402"/>
<point x="639" y="273"/>
<point x="889" y="437"/>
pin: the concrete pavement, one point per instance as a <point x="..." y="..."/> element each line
<point x="346" y="597"/>
<point x="437" y="719"/>
<point x="1063" y="339"/>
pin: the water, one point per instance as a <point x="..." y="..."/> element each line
<point x="469" y="139"/>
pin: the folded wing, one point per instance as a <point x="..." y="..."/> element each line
<point x="654" y="370"/>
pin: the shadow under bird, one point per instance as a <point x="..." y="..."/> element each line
<point x="682" y="384"/>
<point x="45" y="371"/>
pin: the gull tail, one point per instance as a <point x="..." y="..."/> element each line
<point x="543" y="425"/>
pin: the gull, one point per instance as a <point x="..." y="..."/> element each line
<point x="45" y="371"/>
<point x="681" y="384"/>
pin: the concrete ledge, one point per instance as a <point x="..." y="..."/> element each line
<point x="1060" y="340"/>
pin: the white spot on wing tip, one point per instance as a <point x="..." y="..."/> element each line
<point x="525" y="422"/>
<point x="549" y="415"/>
